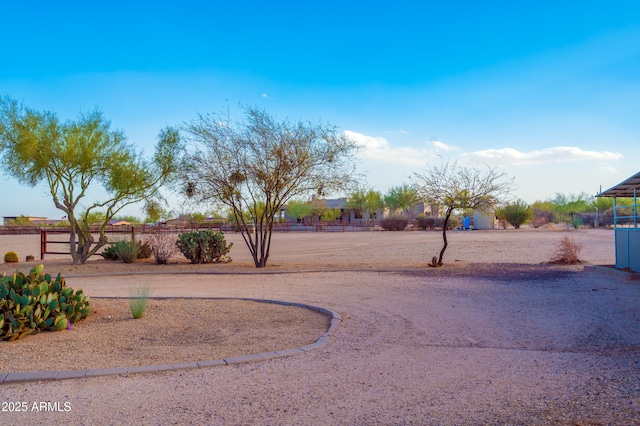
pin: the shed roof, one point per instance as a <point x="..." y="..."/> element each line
<point x="624" y="189"/>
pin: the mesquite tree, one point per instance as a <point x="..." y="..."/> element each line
<point x="256" y="165"/>
<point x="457" y="188"/>
<point x="75" y="156"/>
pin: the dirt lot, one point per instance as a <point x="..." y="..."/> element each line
<point x="495" y="336"/>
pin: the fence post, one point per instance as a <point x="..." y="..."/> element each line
<point x="43" y="243"/>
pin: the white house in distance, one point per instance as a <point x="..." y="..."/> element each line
<point x="626" y="224"/>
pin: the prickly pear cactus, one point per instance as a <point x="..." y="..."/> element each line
<point x="35" y="302"/>
<point x="204" y="246"/>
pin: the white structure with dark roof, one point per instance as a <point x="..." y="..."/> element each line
<point x="626" y="225"/>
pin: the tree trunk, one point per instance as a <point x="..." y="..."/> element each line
<point x="444" y="238"/>
<point x="81" y="245"/>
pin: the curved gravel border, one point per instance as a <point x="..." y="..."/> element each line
<point x="51" y="375"/>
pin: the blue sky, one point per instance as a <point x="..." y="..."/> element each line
<point x="548" y="92"/>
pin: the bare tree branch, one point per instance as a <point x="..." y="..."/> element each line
<point x="255" y="166"/>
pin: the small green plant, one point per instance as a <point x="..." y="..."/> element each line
<point x="204" y="246"/>
<point x="11" y="257"/>
<point x="138" y="299"/>
<point x="35" y="302"/>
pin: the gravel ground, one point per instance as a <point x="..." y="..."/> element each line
<point x="496" y="338"/>
<point x="170" y="332"/>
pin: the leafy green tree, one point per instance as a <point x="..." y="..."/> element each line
<point x="401" y="198"/>
<point x="331" y="214"/>
<point x="299" y="209"/>
<point x="154" y="211"/>
<point x="256" y="165"/>
<point x="75" y="156"/>
<point x="365" y="203"/>
<point x="94" y="217"/>
<point x="516" y="213"/>
<point x="604" y="204"/>
<point x="567" y="206"/>
<point x="455" y="188"/>
<point x="197" y="217"/>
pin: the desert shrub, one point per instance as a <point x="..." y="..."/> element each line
<point x="431" y="223"/>
<point x="516" y="213"/>
<point x="567" y="252"/>
<point x="36" y="302"/>
<point x="127" y="251"/>
<point x="426" y="222"/>
<point x="11" y="257"/>
<point x="109" y="253"/>
<point x="589" y="219"/>
<point x="454" y="222"/>
<point x="144" y="250"/>
<point x="540" y="218"/>
<point x="163" y="246"/>
<point x="394" y="223"/>
<point x="138" y="299"/>
<point x="204" y="246"/>
<point x="542" y="213"/>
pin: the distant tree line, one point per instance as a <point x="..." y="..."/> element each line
<point x="575" y="209"/>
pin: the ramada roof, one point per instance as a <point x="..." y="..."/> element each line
<point x="626" y="189"/>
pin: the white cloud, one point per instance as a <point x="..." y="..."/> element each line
<point x="378" y="148"/>
<point x="440" y="146"/>
<point x="264" y="95"/>
<point x="558" y="154"/>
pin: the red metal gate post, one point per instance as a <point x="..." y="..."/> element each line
<point x="43" y="243"/>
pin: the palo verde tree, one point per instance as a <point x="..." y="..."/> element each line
<point x="75" y="156"/>
<point x="256" y="165"/>
<point x="516" y="213"/>
<point x="309" y="212"/>
<point x="401" y="198"/>
<point x="299" y="209"/>
<point x="458" y="188"/>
